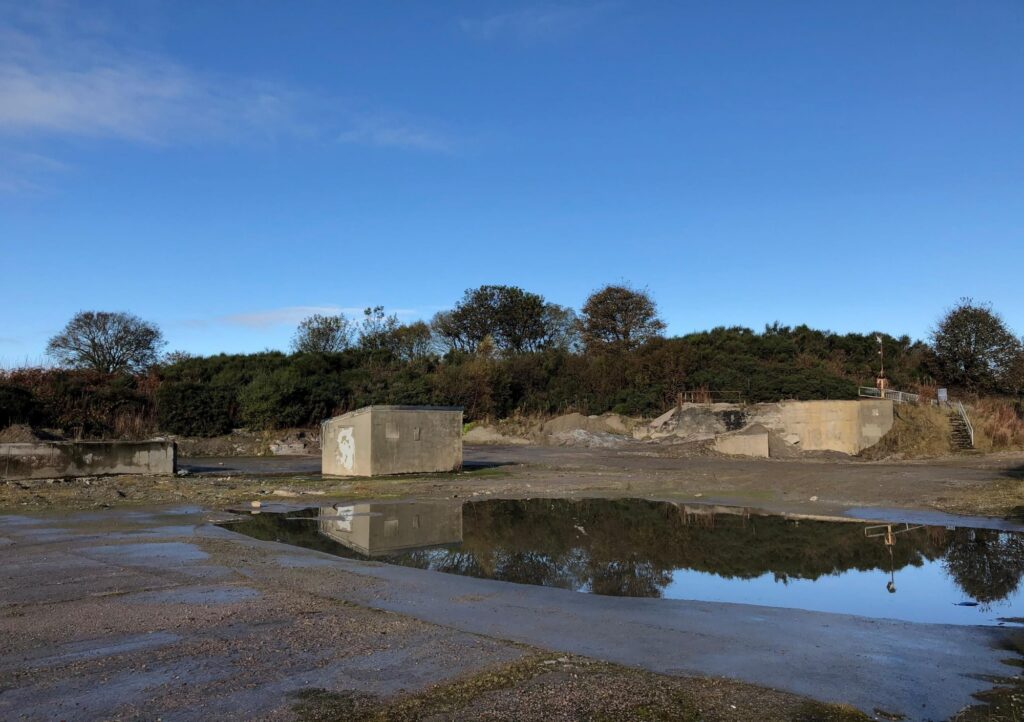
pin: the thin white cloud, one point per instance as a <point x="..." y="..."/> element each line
<point x="279" y="316"/>
<point x="26" y="172"/>
<point x="67" y="72"/>
<point x="542" y="22"/>
<point x="291" y="315"/>
<point x="99" y="92"/>
<point x="386" y="134"/>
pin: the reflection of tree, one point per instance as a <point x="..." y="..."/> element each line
<point x="630" y="578"/>
<point x="630" y="547"/>
<point x="986" y="564"/>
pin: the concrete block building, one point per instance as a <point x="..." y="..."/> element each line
<point x="378" y="440"/>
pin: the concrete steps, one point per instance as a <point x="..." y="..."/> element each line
<point x="959" y="435"/>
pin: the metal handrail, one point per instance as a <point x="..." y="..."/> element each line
<point x="967" y="422"/>
<point x="900" y="397"/>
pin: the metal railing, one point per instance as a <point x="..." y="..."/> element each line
<point x="899" y="397"/>
<point x="902" y="397"/>
<point x="959" y="408"/>
<point x="708" y="396"/>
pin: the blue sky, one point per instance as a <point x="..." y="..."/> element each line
<point x="225" y="168"/>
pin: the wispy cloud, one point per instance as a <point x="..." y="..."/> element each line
<point x="58" y="78"/>
<point x="390" y="134"/>
<point x="280" y="316"/>
<point x="70" y="72"/>
<point x="22" y="172"/>
<point x="542" y="22"/>
<point x="291" y="315"/>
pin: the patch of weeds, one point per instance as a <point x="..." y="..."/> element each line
<point x="321" y="705"/>
<point x="486" y="472"/>
<point x="811" y="711"/>
<point x="1004" y="702"/>
<point x="679" y="708"/>
<point x="450" y="698"/>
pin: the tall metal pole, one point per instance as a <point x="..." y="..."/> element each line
<point x="881" y="357"/>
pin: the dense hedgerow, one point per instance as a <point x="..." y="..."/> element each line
<point x="207" y="396"/>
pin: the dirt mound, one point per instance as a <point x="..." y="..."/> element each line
<point x="241" y="442"/>
<point x="587" y="439"/>
<point x="484" y="434"/>
<point x="23" y="434"/>
<point x="604" y="424"/>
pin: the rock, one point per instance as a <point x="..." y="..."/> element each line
<point x="284" y="492"/>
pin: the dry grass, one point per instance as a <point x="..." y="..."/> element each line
<point x="998" y="424"/>
<point x="917" y="432"/>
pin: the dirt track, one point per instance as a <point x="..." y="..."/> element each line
<point x="989" y="485"/>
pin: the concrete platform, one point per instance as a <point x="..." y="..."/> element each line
<point x="160" y="614"/>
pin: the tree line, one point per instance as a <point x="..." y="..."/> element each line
<point x="500" y="350"/>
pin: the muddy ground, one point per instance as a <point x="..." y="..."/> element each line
<point x="970" y="484"/>
<point x="118" y="600"/>
<point x="140" y="616"/>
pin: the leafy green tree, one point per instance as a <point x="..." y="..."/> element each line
<point x="323" y="334"/>
<point x="107" y="342"/>
<point x="515" y="320"/>
<point x="619" y="318"/>
<point x="973" y="347"/>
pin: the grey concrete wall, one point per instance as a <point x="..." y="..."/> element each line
<point x="56" y="459"/>
<point x="379" y="440"/>
<point x="744" y="444"/>
<point x="846" y="426"/>
<point x="346" y="445"/>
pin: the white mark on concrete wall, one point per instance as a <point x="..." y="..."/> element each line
<point x="346" y="448"/>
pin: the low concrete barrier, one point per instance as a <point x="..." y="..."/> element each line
<point x="55" y="459"/>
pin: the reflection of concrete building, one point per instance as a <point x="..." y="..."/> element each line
<point x="392" y="440"/>
<point x="374" y="529"/>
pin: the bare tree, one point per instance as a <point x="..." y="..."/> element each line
<point x="323" y="334"/>
<point x="107" y="342"/>
<point x="619" y="317"/>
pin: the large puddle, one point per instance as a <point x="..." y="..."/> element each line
<point x="641" y="548"/>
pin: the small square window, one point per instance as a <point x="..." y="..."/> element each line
<point x="391" y="431"/>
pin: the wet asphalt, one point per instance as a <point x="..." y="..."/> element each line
<point x="139" y="614"/>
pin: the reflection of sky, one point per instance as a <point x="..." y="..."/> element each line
<point x="923" y="594"/>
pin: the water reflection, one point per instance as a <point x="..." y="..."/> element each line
<point x="640" y="548"/>
<point x="383" y="529"/>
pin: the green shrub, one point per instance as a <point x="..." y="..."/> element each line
<point x="17" y="406"/>
<point x="195" y="409"/>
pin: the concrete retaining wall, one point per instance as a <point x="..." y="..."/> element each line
<point x="56" y="459"/>
<point x="743" y="443"/>
<point x="846" y="426"/>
